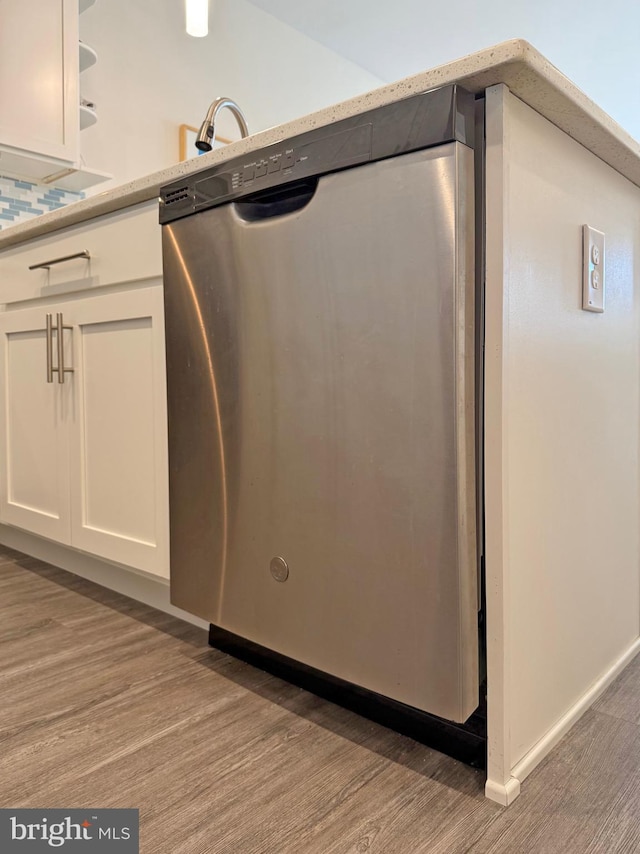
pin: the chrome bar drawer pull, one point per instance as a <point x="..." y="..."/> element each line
<point x="44" y="265"/>
<point x="60" y="327"/>
<point x="49" y="331"/>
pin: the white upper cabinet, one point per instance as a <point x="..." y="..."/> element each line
<point x="39" y="77"/>
<point x="39" y="93"/>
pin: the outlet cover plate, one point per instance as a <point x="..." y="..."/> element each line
<point x="592" y="269"/>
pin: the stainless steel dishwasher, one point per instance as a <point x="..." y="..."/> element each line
<point x="320" y="306"/>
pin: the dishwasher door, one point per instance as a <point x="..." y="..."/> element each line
<point x="320" y="363"/>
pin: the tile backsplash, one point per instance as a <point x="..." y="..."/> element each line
<point x="22" y="200"/>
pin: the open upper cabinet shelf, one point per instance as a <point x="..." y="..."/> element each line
<point x="88" y="117"/>
<point x="86" y="56"/>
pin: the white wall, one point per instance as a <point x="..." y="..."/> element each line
<point x="562" y="417"/>
<point x="594" y="44"/>
<point x="151" y="77"/>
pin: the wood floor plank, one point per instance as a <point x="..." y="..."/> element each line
<point x="49" y="587"/>
<point x="574" y="793"/>
<point x="622" y="700"/>
<point x="105" y="702"/>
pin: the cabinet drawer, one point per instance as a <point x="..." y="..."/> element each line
<point x="124" y="246"/>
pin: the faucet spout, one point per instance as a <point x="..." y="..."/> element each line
<point x="207" y="133"/>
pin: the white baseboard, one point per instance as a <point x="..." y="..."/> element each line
<point x="137" y="585"/>
<point x="502" y="793"/>
<point x="506" y="793"/>
<point x="537" y="753"/>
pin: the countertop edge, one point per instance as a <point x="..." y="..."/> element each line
<point x="516" y="63"/>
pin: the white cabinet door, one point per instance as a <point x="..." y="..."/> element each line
<point x="39" y="78"/>
<point x="119" y="463"/>
<point x="34" y="452"/>
<point x="84" y="462"/>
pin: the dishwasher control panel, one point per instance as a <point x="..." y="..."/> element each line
<point x="420" y="121"/>
<point x="283" y="165"/>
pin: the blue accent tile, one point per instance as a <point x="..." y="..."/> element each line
<point x="22" y="200"/>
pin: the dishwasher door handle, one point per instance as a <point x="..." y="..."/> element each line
<point x="276" y="201"/>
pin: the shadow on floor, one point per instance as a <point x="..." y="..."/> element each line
<point x="317" y="711"/>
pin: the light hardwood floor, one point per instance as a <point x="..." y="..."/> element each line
<point x="105" y="702"/>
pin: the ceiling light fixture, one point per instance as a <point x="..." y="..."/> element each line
<point x="197" y="13"/>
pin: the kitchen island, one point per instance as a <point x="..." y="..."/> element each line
<point x="561" y="389"/>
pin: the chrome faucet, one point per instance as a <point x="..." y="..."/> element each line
<point x="207" y="132"/>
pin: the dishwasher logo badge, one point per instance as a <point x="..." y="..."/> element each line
<point x="32" y="831"/>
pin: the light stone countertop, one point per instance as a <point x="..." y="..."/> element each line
<point x="527" y="73"/>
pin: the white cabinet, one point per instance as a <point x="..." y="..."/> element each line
<point x="118" y="443"/>
<point x="34" y="467"/>
<point x="39" y="93"/>
<point x="124" y="246"/>
<point x="84" y="461"/>
<point x="39" y="77"/>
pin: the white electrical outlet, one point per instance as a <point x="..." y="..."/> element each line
<point x="592" y="269"/>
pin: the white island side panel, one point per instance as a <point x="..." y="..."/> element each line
<point x="562" y="435"/>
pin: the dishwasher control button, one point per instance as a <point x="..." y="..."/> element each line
<point x="279" y="569"/>
<point x="288" y="159"/>
<point x="248" y="173"/>
<point x="261" y="169"/>
<point x="274" y="163"/>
